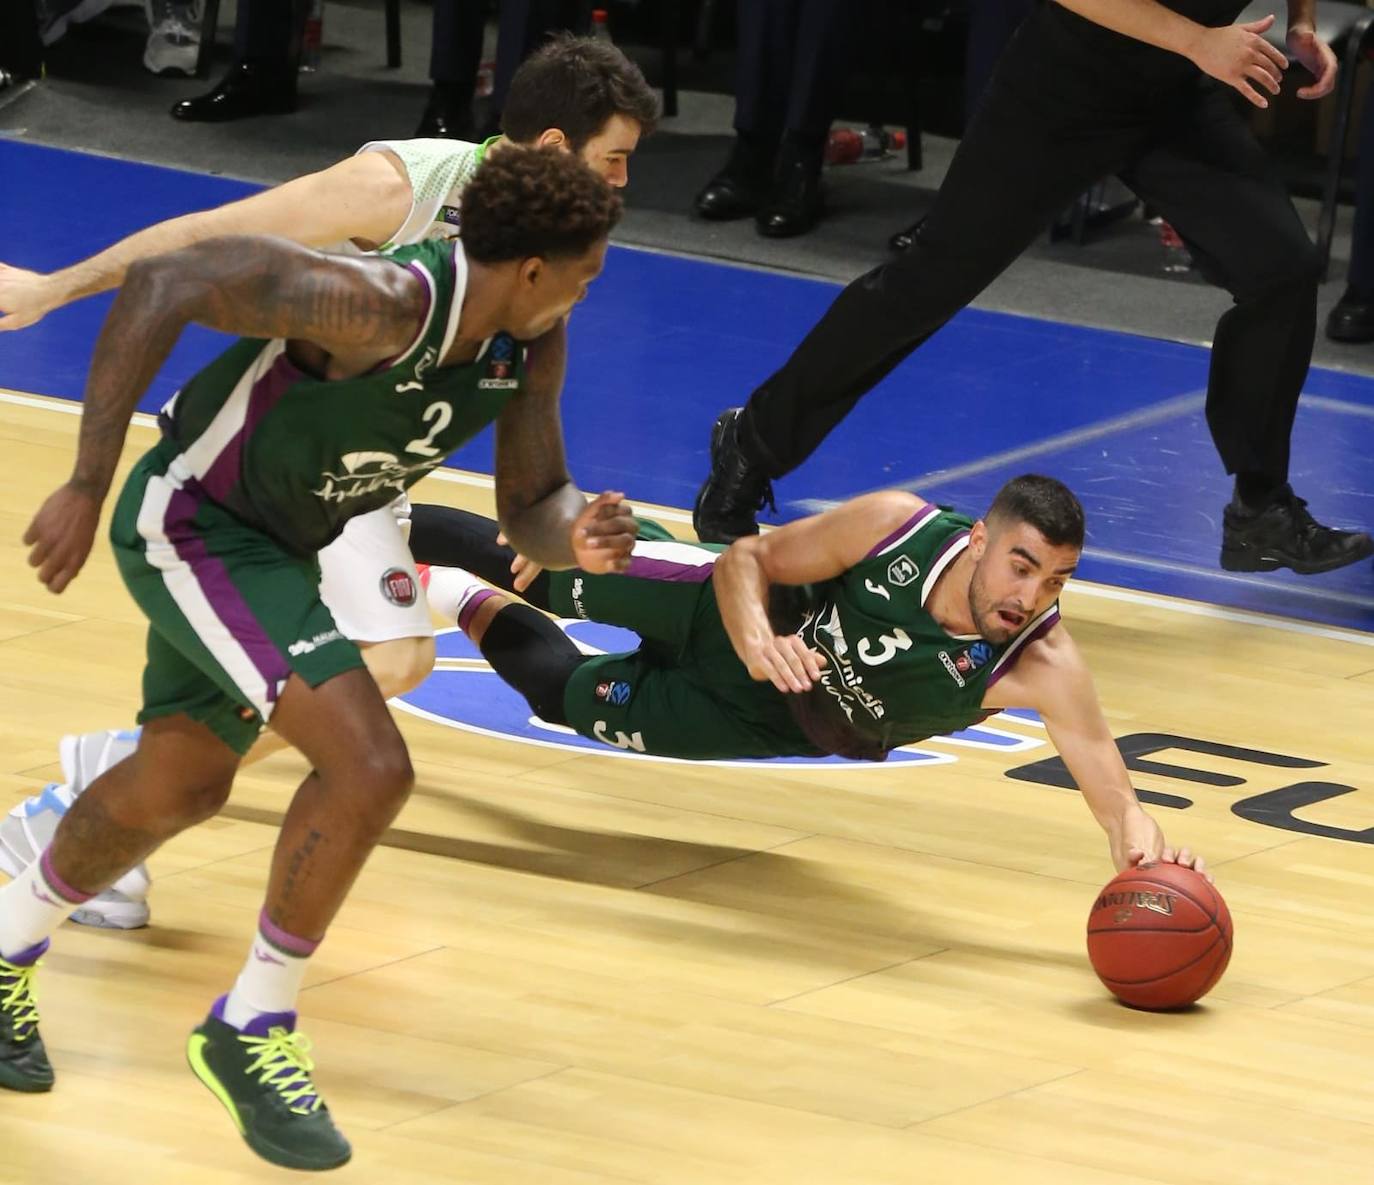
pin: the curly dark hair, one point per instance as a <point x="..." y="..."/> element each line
<point x="576" y="84"/>
<point x="1046" y="504"/>
<point x="526" y="202"/>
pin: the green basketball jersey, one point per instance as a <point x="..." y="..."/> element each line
<point x="894" y="676"/>
<point x="297" y="456"/>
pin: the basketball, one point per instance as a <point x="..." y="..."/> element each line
<point x="1159" y="936"/>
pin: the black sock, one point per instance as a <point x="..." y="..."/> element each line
<point x="447" y="538"/>
<point x="1257" y="491"/>
<point x="534" y="656"/>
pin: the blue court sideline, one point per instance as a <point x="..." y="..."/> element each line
<point x="663" y="343"/>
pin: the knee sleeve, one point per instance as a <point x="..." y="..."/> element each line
<point x="534" y="656"/>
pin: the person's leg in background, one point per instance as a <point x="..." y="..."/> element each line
<point x="763" y="68"/>
<point x="1014" y="170"/>
<point x="821" y="45"/>
<point x="1214" y="184"/>
<point x="454" y="57"/>
<point x="1352" y="320"/>
<point x="262" y="79"/>
<point x="523" y="26"/>
<point x="173" y="36"/>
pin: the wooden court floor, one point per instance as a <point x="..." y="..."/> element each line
<point x="573" y="969"/>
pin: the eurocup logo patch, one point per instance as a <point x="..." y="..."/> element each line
<point x="465" y="693"/>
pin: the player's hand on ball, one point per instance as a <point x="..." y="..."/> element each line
<point x="61" y="536"/>
<point x="786" y="662"/>
<point x="1139" y="841"/>
<point x="23" y="297"/>
<point x="603" y="535"/>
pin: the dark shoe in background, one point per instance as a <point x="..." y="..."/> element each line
<point x="794" y="206"/>
<point x="1352" y="320"/>
<point x="734" y="492"/>
<point x="1284" y="535"/>
<point x="250" y="88"/>
<point x="448" y="115"/>
<point x="740" y="188"/>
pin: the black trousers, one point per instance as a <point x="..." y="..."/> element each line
<point x="1361" y="274"/>
<point x="455" y="48"/>
<point x="268" y="32"/>
<point x="791" y="65"/>
<point x="1070" y="103"/>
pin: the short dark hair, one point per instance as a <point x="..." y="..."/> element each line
<point x="576" y="84"/>
<point x="526" y="202"/>
<point x="1044" y="503"/>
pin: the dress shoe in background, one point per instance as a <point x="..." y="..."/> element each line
<point x="250" y="88"/>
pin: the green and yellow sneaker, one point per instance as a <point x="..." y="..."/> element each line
<point x="262" y="1076"/>
<point x="23" y="1060"/>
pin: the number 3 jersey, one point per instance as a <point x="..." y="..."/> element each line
<point x="893" y="675"/>
<point x="297" y="456"/>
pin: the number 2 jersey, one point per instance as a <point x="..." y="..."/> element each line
<point x="297" y="456"/>
<point x="893" y="675"/>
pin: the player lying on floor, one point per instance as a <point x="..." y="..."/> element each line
<point x="874" y="625"/>
<point x="877" y="624"/>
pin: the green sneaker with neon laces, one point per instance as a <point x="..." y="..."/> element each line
<point x="262" y="1076"/>
<point x="23" y="1060"/>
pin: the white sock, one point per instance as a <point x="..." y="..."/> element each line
<point x="271" y="977"/>
<point x="33" y="905"/>
<point x="451" y="589"/>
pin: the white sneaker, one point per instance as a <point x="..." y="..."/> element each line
<point x="174" y="37"/>
<point x="85" y="757"/>
<point x="27" y="831"/>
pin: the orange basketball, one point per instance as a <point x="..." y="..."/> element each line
<point x="1159" y="936"/>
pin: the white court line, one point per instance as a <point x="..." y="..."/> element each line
<point x="1343" y="406"/>
<point x="1170" y="409"/>
<point x="1130" y="596"/>
<point x="1301" y="591"/>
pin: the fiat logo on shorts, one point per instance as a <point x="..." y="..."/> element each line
<point x="398" y="587"/>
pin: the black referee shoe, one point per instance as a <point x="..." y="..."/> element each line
<point x="734" y="492"/>
<point x="1285" y="535"/>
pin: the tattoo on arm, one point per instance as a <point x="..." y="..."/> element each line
<point x="247" y="285"/>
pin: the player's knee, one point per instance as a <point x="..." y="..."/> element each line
<point x="1288" y="270"/>
<point x="384" y="780"/>
<point x="202" y="799"/>
<point x="401" y="664"/>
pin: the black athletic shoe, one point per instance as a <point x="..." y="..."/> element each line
<point x="734" y="492"/>
<point x="23" y="1060"/>
<point x="1285" y="535"/>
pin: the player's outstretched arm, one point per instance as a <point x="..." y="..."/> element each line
<point x="365" y="197"/>
<point x="803" y="552"/>
<point x="543" y="515"/>
<point x="364" y="309"/>
<point x="1051" y="677"/>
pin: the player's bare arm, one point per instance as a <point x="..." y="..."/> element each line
<point x="811" y="549"/>
<point x="365" y="198"/>
<point x="348" y="312"/>
<point x="1051" y="677"/>
<point x="542" y="513"/>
